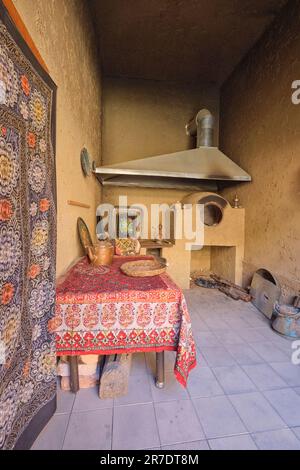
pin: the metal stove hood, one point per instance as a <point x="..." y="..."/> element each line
<point x="201" y="168"/>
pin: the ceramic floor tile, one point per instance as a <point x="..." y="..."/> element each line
<point x="203" y="383"/>
<point x="268" y="333"/>
<point x="205" y="339"/>
<point x="217" y="356"/>
<point x="296" y="431"/>
<point x="52" y="436"/>
<point x="65" y="401"/>
<point x="217" y="323"/>
<point x="227" y="337"/>
<point x="197" y="445"/>
<point x="283" y="341"/>
<point x="88" y="399"/>
<point x="139" y="391"/>
<point x="287" y="404"/>
<point x="172" y="389"/>
<point x="247" y="308"/>
<point x="243" y="442"/>
<point x="138" y="364"/>
<point x="233" y="380"/>
<point x="134" y="427"/>
<point x="251" y="335"/>
<point x="201" y="361"/>
<point x="257" y="320"/>
<point x="236" y="323"/>
<point x="264" y="377"/>
<point x="198" y="324"/>
<point x="283" y="439"/>
<point x="244" y="354"/>
<point x="177" y="422"/>
<point x="289" y="372"/>
<point x="285" y="347"/>
<point x="218" y="417"/>
<point x="91" y="430"/>
<point x="270" y="352"/>
<point x="256" y="412"/>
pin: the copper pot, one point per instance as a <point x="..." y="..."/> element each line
<point x="101" y="254"/>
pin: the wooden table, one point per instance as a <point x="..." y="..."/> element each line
<point x="100" y="310"/>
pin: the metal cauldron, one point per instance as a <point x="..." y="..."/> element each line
<point x="286" y="320"/>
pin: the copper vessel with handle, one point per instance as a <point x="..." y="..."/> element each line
<point x="101" y="254"/>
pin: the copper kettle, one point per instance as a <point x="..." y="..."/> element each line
<point x="101" y="254"/>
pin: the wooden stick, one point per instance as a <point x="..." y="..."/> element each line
<point x="79" y="204"/>
<point x="221" y="280"/>
<point x="235" y="294"/>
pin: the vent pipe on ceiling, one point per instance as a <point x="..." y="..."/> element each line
<point x="203" y="126"/>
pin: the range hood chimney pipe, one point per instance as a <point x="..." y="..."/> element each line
<point x="200" y="167"/>
<point x="202" y="126"/>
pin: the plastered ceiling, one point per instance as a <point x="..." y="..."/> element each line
<point x="178" y="39"/>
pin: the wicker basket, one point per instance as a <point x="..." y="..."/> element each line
<point x="143" y="268"/>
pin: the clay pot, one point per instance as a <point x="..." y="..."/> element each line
<point x="101" y="254"/>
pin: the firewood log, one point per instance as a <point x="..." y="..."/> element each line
<point x="115" y="376"/>
<point x="235" y="294"/>
<point x="221" y="280"/>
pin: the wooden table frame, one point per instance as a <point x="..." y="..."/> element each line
<point x="159" y="380"/>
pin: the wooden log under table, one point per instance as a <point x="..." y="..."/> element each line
<point x="159" y="380"/>
<point x="115" y="376"/>
<point x="74" y="375"/>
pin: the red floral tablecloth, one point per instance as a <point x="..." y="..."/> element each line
<point x="100" y="310"/>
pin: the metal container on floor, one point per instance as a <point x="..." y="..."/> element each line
<point x="265" y="291"/>
<point x="286" y="320"/>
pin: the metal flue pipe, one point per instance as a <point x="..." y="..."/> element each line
<point x="202" y="126"/>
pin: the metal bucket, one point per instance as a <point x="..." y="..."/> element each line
<point x="286" y="320"/>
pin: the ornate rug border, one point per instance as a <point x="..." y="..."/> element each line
<point x="43" y="414"/>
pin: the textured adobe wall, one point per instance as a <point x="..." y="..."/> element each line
<point x="260" y="131"/>
<point x="62" y="31"/>
<point x="143" y="118"/>
<point x="146" y="196"/>
<point x="201" y="260"/>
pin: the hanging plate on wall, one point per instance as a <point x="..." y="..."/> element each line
<point x="86" y="164"/>
<point x="84" y="234"/>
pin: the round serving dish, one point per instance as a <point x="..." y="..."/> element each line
<point x="143" y="268"/>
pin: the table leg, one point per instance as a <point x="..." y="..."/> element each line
<point x="160" y="370"/>
<point x="74" y="376"/>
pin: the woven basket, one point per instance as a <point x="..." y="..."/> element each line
<point x="143" y="268"/>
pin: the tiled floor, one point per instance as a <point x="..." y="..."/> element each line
<point x="243" y="394"/>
